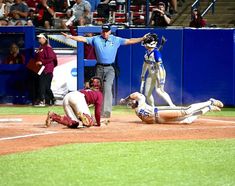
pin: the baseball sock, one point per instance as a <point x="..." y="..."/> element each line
<point x="64" y="120"/>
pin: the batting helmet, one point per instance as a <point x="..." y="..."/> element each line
<point x="96" y="82"/>
<point x="151" y="40"/>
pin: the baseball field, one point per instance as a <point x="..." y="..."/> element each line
<point x="125" y="152"/>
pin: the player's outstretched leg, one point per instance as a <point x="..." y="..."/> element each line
<point x="216" y="102"/>
<point x="204" y="107"/>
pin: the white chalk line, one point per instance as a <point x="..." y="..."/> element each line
<point x="28" y="135"/>
<point x="221" y="121"/>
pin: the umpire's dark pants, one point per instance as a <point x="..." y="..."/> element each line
<point x="45" y="93"/>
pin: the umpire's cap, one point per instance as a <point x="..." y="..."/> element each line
<point x="106" y="27"/>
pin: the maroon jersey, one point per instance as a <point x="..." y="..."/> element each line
<point x="94" y="97"/>
<point x="47" y="56"/>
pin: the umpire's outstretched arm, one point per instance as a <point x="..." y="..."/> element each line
<point x="76" y="38"/>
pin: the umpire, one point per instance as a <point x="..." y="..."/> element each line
<point x="106" y="46"/>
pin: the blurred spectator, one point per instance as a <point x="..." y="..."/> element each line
<point x="3" y="13"/>
<point x="58" y="5"/>
<point x="94" y="4"/>
<point x="18" y="13"/>
<point x="80" y="12"/>
<point x="159" y="16"/>
<point x="3" y="9"/>
<point x="70" y="3"/>
<point x="156" y="2"/>
<point x="3" y="22"/>
<point x="121" y="5"/>
<point x="103" y="9"/>
<point x="45" y="13"/>
<point x="32" y="3"/>
<point x="14" y="56"/>
<point x="8" y="3"/>
<point x="173" y="7"/>
<point x="197" y="20"/>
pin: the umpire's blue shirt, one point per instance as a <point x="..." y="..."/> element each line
<point x="105" y="50"/>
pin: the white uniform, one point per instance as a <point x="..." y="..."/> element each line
<point x="156" y="77"/>
<point x="75" y="103"/>
<point x="151" y="115"/>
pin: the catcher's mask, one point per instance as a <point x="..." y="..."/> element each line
<point x="96" y="83"/>
<point x="132" y="103"/>
<point x="151" y="40"/>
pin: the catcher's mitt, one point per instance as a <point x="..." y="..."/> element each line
<point x="86" y="119"/>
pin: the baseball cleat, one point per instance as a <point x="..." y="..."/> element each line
<point x="214" y="108"/>
<point x="48" y="120"/>
<point x="216" y="102"/>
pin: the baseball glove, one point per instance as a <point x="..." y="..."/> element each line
<point x="86" y="119"/>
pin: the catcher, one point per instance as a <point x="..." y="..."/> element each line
<point x="76" y="104"/>
<point x="156" y="72"/>
<point x="186" y="115"/>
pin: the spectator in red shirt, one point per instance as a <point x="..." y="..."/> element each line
<point x="45" y="12"/>
<point x="76" y="106"/>
<point x="197" y="20"/>
<point x="15" y="57"/>
<point x="32" y="3"/>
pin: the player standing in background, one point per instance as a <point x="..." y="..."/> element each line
<point x="45" y="56"/>
<point x="106" y="46"/>
<point x="76" y="104"/>
<point x="156" y="72"/>
<point x="181" y="115"/>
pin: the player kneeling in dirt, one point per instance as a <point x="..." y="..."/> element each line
<point x="151" y="115"/>
<point x="76" y="104"/>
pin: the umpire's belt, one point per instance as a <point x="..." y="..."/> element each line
<point x="104" y="65"/>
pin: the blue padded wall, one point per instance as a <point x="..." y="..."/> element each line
<point x="208" y="65"/>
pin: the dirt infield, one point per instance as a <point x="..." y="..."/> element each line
<point x="30" y="134"/>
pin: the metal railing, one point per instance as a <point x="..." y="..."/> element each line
<point x="211" y="6"/>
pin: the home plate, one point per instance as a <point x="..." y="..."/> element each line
<point x="10" y="120"/>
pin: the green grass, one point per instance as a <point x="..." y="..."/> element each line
<point x="199" y="163"/>
<point x="29" y="110"/>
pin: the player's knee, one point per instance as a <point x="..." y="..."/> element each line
<point x="160" y="91"/>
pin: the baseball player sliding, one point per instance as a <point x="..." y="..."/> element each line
<point x="156" y="72"/>
<point x="186" y="115"/>
<point x="76" y="104"/>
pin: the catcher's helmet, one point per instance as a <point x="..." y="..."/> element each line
<point x="151" y="40"/>
<point x="96" y="82"/>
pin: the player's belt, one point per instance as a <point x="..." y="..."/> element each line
<point x="105" y="65"/>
